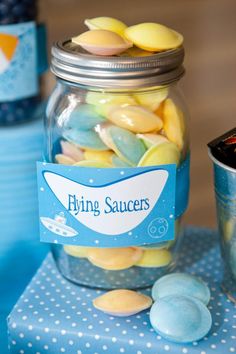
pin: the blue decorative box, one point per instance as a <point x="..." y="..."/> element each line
<point x="56" y="316"/>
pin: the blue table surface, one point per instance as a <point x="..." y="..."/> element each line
<point x="65" y="312"/>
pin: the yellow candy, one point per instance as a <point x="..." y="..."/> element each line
<point x="106" y="23"/>
<point x="153" y="37"/>
<point x="173" y="123"/>
<point x="151" y="100"/>
<point x="114" y="258"/>
<point x="76" y="251"/>
<point x="105" y="101"/>
<point x="136" y="52"/>
<point x="102" y="42"/>
<point x="135" y="118"/>
<point x="122" y="302"/>
<point x="152" y="139"/>
<point x="89" y="163"/>
<point x="64" y="160"/>
<point x="100" y="156"/>
<point x="154" y="258"/>
<point x="162" y="154"/>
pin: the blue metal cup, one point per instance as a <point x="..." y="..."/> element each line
<point x="225" y="194"/>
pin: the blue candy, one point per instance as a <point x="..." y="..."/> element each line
<point x="181" y="284"/>
<point x="117" y="162"/>
<point x="84" y="117"/>
<point x="180" y="319"/>
<point x="86" y="139"/>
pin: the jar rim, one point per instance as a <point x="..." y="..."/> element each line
<point x="71" y="63"/>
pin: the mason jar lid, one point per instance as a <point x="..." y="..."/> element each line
<point x="72" y="63"/>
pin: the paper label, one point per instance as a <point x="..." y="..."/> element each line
<point x="106" y="207"/>
<point x="18" y="61"/>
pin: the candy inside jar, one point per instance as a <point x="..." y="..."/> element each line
<point x="122" y="112"/>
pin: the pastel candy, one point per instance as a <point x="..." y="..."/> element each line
<point x="152" y="99"/>
<point x="76" y="251"/>
<point x="181" y="284"/>
<point x="86" y="139"/>
<point x="135" y="118"/>
<point x="64" y="160"/>
<point x="136" y="52"/>
<point x="117" y="162"/>
<point x="106" y="23"/>
<point x="101" y="156"/>
<point x="122" y="302"/>
<point x="71" y="150"/>
<point x="114" y="258"/>
<point x="180" y="319"/>
<point x="84" y="117"/>
<point x="89" y="163"/>
<point x="154" y="258"/>
<point x="161" y="154"/>
<point x="124" y="143"/>
<point x="151" y="139"/>
<point x="105" y="101"/>
<point x="102" y="42"/>
<point x="173" y="123"/>
<point x="153" y="37"/>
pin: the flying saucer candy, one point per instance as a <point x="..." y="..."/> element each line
<point x="64" y="160"/>
<point x="85" y="139"/>
<point x="173" y="121"/>
<point x="105" y="101"/>
<point x="137" y="119"/>
<point x="124" y="143"/>
<point x="102" y="42"/>
<point x="122" y="302"/>
<point x="117" y="162"/>
<point x="152" y="139"/>
<point x="154" y="258"/>
<point x="114" y="258"/>
<point x="71" y="151"/>
<point x="153" y="37"/>
<point x="76" y="251"/>
<point x="152" y="99"/>
<point x="180" y="319"/>
<point x="84" y="117"/>
<point x="136" y="52"/>
<point x="162" y="154"/>
<point x="106" y="23"/>
<point x="181" y="284"/>
<point x="101" y="156"/>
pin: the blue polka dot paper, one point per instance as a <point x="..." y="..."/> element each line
<point x="56" y="316"/>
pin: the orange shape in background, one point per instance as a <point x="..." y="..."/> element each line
<point x="8" y="44"/>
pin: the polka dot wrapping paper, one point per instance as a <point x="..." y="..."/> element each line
<point x="56" y="316"/>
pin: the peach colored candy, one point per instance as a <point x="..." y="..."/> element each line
<point x="76" y="251"/>
<point x="102" y="42"/>
<point x="71" y="151"/>
<point x="64" y="160"/>
<point x="137" y="119"/>
<point x="173" y="123"/>
<point x="122" y="302"/>
<point x="114" y="258"/>
<point x="154" y="258"/>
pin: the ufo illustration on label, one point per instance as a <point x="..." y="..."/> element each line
<point x="8" y="45"/>
<point x="58" y="225"/>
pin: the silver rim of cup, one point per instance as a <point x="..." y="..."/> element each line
<point x="221" y="164"/>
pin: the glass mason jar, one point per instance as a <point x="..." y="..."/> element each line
<point x="118" y="112"/>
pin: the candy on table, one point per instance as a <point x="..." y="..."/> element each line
<point x="122" y="302"/>
<point x="71" y="151"/>
<point x="180" y="319"/>
<point x="97" y="164"/>
<point x="153" y="37"/>
<point x="84" y="117"/>
<point x="102" y="42"/>
<point x="105" y="101"/>
<point x="114" y="258"/>
<point x="137" y="119"/>
<point x="85" y="139"/>
<point x="165" y="153"/>
<point x="64" y="160"/>
<point x="101" y="156"/>
<point x="173" y="123"/>
<point x="181" y="284"/>
<point x="154" y="258"/>
<point x="76" y="251"/>
<point x="151" y="139"/>
<point x="124" y="143"/>
<point x="152" y="99"/>
<point x="106" y="23"/>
